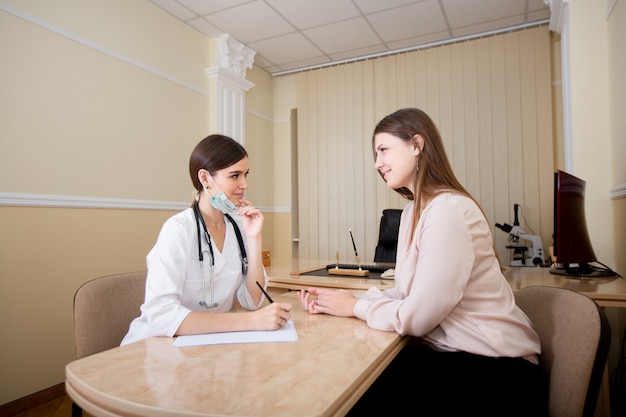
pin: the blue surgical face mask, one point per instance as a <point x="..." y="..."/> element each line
<point x="221" y="202"/>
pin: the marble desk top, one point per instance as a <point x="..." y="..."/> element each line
<point x="322" y="374"/>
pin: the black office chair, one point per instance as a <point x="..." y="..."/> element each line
<point x="388" y="236"/>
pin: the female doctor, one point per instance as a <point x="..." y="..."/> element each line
<point x="209" y="255"/>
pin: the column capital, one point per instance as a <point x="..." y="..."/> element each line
<point x="234" y="56"/>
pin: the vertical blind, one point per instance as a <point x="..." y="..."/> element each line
<point x="491" y="99"/>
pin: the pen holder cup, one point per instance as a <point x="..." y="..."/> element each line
<point x="267" y="260"/>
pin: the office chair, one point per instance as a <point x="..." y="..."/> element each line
<point x="387" y="245"/>
<point x="103" y="310"/>
<point x="575" y="338"/>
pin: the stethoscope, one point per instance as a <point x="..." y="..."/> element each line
<point x="207" y="237"/>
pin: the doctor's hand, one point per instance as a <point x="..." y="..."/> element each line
<point x="272" y="316"/>
<point x="333" y="302"/>
<point x="252" y="219"/>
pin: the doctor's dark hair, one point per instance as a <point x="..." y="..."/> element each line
<point x="213" y="153"/>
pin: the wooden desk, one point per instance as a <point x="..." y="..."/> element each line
<point x="324" y="373"/>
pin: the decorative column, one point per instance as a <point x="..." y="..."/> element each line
<point x="559" y="23"/>
<point x="229" y="87"/>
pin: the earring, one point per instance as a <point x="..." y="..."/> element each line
<point x="417" y="165"/>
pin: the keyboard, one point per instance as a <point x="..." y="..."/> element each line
<point x="369" y="267"/>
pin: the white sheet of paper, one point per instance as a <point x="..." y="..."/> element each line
<point x="287" y="333"/>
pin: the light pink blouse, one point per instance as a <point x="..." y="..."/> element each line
<point x="449" y="288"/>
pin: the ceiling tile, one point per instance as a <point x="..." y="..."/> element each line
<point x="175" y="9"/>
<point x="410" y="21"/>
<point x="485" y="27"/>
<point x="202" y="7"/>
<point x="286" y="48"/>
<point x="305" y="14"/>
<point x="304" y="63"/>
<point x="465" y="13"/>
<point x="534" y="5"/>
<point x="372" y="6"/>
<point x="204" y="27"/>
<point x="250" y="22"/>
<point x="344" y="36"/>
<point x="413" y="43"/>
<point x="356" y="53"/>
<point x="541" y="14"/>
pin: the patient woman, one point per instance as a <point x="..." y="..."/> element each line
<point x="474" y="351"/>
<point x="208" y="257"/>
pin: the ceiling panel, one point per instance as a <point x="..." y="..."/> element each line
<point x="290" y="35"/>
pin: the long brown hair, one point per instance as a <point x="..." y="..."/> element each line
<point x="435" y="173"/>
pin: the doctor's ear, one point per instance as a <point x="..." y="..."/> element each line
<point x="203" y="176"/>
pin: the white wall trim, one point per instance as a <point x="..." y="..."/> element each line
<point x="66" y="201"/>
<point x="89" y="44"/>
<point x="52" y="200"/>
<point x="260" y="116"/>
<point x="618" y="192"/>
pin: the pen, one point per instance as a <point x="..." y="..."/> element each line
<point x="265" y="293"/>
<point x="355" y="252"/>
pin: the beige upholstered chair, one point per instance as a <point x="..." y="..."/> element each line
<point x="103" y="310"/>
<point x="575" y="337"/>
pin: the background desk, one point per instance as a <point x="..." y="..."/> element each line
<point x="291" y="274"/>
<point x="606" y="292"/>
<point x="324" y="373"/>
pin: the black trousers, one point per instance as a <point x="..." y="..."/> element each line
<point x="424" y="382"/>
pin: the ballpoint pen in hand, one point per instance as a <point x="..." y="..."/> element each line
<point x="265" y="293"/>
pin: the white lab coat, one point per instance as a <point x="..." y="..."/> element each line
<point x="174" y="281"/>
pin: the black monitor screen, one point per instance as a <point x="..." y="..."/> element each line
<point x="572" y="246"/>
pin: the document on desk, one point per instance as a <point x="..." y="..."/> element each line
<point x="286" y="333"/>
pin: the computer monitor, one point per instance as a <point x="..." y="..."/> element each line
<point x="572" y="246"/>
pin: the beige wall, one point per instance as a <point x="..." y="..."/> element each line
<point x="45" y="255"/>
<point x="598" y="98"/>
<point x="616" y="33"/>
<point x="91" y="111"/>
<point x="590" y="119"/>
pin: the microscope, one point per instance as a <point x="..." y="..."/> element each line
<point x="523" y="255"/>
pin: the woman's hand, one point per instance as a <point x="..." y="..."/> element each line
<point x="252" y="219"/>
<point x="333" y="302"/>
<point x="272" y="316"/>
